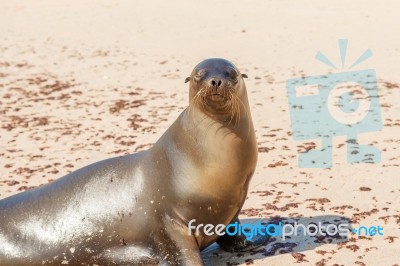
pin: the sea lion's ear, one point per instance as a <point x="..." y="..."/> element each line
<point x="244" y="76"/>
<point x="187" y="79"/>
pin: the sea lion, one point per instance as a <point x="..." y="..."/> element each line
<point x="135" y="209"/>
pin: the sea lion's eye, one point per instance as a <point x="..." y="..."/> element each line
<point x="199" y="75"/>
<point x="232" y="74"/>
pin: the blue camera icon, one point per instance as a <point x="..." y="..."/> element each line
<point x="325" y="106"/>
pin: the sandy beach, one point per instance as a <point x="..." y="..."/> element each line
<point x="82" y="81"/>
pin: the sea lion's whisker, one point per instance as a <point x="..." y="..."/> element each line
<point x="238" y="113"/>
<point x="231" y="108"/>
<point x="247" y="115"/>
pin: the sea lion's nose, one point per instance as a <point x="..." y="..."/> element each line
<point x="215" y="82"/>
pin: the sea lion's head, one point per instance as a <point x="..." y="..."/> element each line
<point x="216" y="86"/>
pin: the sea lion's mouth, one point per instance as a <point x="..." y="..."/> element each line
<point x="217" y="97"/>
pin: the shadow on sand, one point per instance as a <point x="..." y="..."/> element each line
<point x="213" y="255"/>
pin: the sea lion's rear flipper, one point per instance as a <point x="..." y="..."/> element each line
<point x="127" y="255"/>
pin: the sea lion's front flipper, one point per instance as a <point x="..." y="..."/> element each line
<point x="174" y="246"/>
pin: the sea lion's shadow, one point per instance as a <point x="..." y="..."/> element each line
<point x="214" y="255"/>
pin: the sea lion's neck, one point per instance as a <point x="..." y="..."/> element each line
<point x="199" y="122"/>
